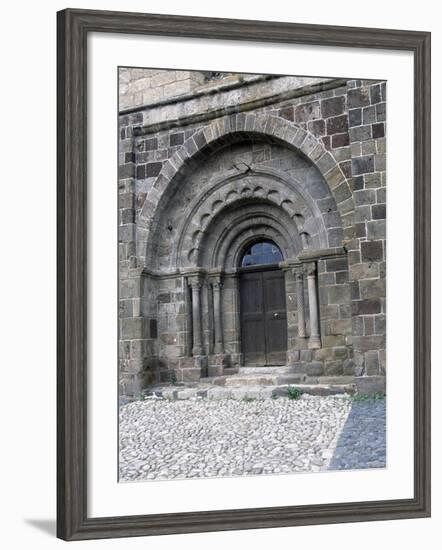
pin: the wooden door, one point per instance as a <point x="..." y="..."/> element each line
<point x="263" y="317"/>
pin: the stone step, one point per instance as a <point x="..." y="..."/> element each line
<point x="277" y="369"/>
<point x="228" y="371"/>
<point x="263" y="380"/>
<point x="248" y="392"/>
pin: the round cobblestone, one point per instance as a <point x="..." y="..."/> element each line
<point x="165" y="439"/>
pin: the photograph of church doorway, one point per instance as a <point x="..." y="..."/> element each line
<point x="252" y="273"/>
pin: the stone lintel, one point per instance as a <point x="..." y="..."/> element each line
<point x="320" y="254"/>
<point x="207" y="115"/>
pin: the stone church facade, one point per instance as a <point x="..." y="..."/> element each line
<point x="251" y="227"/>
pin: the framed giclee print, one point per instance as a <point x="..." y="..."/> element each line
<point x="243" y="274"/>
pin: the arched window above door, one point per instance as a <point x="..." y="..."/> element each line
<point x="259" y="253"/>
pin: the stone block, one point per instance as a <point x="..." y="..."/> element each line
<point x="369" y="385"/>
<point x="346" y="169"/>
<point x="378" y="130"/>
<point x="375" y="94"/>
<point x="354" y="117"/>
<point x="378" y="211"/>
<point x="380" y="162"/>
<point x="340" y="326"/>
<point x="368" y="115"/>
<point x="323" y="354"/>
<point x="333" y="368"/>
<point x="366" y="307"/>
<point x="338" y="294"/>
<point x="362" y="165"/>
<point x="381" y="195"/>
<point x="354" y="290"/>
<point x="287" y="113"/>
<point x="349" y="367"/>
<point x="372" y="251"/>
<point x="368" y="147"/>
<point x="332" y="106"/>
<point x="372" y="288"/>
<point x="337" y="264"/>
<point x="380" y="324"/>
<point x="316" y="127"/>
<point x="191" y="375"/>
<point x="333" y="340"/>
<point x="293" y="356"/>
<point x="341" y="277"/>
<point x="372" y="363"/>
<point x="340" y="140"/>
<point x="369" y="343"/>
<point x="126" y="171"/>
<point x="307" y="111"/>
<point x="360" y="133"/>
<point x="376" y="229"/>
<point x="176" y="139"/>
<point x="215" y="370"/>
<point x="359" y="97"/>
<point x="337" y="125"/>
<point x="315" y="369"/>
<point x="381" y="112"/>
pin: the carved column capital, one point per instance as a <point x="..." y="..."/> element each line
<point x="195" y="281"/>
<point x="216" y="282"/>
<point x="311" y="269"/>
<point x="215" y="278"/>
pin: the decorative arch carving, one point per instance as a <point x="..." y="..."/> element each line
<point x="228" y="130"/>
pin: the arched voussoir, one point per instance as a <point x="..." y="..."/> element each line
<point x="232" y="129"/>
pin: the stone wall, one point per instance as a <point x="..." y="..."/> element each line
<point x="337" y="154"/>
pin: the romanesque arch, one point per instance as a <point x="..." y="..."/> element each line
<point x="228" y="130"/>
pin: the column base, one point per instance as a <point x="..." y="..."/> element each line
<point x="217" y="363"/>
<point x="201" y="362"/>
<point x="221" y="359"/>
<point x="314" y="342"/>
<point x="292" y="357"/>
<point x="302" y="342"/>
<point x="236" y="359"/>
<point x="218" y="349"/>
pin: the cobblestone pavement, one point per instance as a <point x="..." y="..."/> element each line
<point x="163" y="439"/>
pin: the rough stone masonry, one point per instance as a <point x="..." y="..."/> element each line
<point x="211" y="164"/>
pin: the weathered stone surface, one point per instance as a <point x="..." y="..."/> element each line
<point x="369" y="385"/>
<point x="372" y="251"/>
<point x="192" y="194"/>
<point x="333" y="106"/>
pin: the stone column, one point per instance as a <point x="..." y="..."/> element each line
<point x="315" y="339"/>
<point x="195" y="283"/>
<point x="217" y="313"/>
<point x="299" y="275"/>
<point x="290" y="300"/>
<point x="237" y="358"/>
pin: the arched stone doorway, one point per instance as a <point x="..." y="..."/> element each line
<point x="262" y="305"/>
<point x="193" y="284"/>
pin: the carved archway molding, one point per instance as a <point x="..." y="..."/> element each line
<point x="231" y="129"/>
<point x="265" y="186"/>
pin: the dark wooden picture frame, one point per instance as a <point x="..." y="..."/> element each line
<point x="73" y="28"/>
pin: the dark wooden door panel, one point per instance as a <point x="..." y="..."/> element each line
<point x="252" y="318"/>
<point x="263" y="317"/>
<point x="275" y="316"/>
<point x="252" y="296"/>
<point x="274" y="291"/>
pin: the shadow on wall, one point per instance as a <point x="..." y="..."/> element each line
<point x="362" y="441"/>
